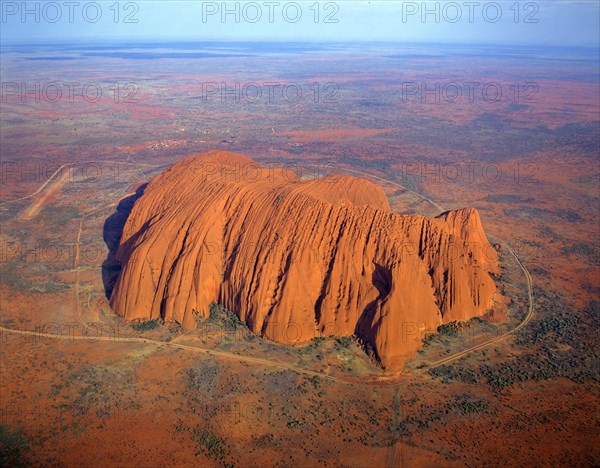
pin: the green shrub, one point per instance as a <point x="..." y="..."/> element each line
<point x="344" y="341"/>
<point x="223" y="318"/>
<point x="146" y="326"/>
<point x="209" y="444"/>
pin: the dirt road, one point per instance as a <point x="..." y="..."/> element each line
<point x="387" y="380"/>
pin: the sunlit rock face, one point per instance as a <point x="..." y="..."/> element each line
<point x="297" y="259"/>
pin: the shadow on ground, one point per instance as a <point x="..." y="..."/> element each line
<point x="113" y="229"/>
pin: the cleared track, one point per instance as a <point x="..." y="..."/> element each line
<point x="387" y="380"/>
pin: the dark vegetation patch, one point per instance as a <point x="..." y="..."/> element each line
<point x="447" y="332"/>
<point x="202" y="377"/>
<point x="59" y="214"/>
<point x="542" y="213"/>
<point x="539" y="271"/>
<point x="12" y="276"/>
<point x="222" y="318"/>
<point x="588" y="179"/>
<point x="146" y="325"/>
<point x="426" y="416"/>
<point x="560" y="343"/>
<point x="210" y="444"/>
<point x="207" y="442"/>
<point x="344" y="342"/>
<point x="547" y="233"/>
<point x="581" y="249"/>
<point x="9" y="276"/>
<point x="495" y="137"/>
<point x="13" y="447"/>
<point x="508" y="198"/>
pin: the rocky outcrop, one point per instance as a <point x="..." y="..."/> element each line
<point x="297" y="259"/>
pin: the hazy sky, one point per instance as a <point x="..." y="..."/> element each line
<point x="554" y="22"/>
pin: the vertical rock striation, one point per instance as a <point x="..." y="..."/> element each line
<point x="296" y="259"/>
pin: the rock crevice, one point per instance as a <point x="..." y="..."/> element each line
<point x="297" y="259"/>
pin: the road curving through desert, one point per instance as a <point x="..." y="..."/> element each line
<point x="496" y="339"/>
<point x="385" y="380"/>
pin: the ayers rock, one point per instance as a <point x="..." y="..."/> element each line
<point x="297" y="259"/>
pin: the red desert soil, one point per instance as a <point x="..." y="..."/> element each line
<point x="298" y="259"/>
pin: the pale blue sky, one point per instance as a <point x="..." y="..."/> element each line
<point x="555" y="22"/>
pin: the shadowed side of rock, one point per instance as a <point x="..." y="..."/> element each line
<point x="297" y="259"/>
